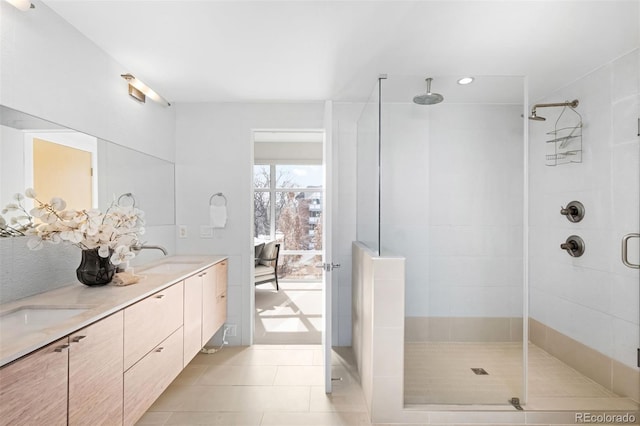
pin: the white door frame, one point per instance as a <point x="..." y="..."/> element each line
<point x="326" y="291"/>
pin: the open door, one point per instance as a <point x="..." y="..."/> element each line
<point x="327" y="259"/>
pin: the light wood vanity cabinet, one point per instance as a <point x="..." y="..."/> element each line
<point x="77" y="379"/>
<point x="95" y="373"/>
<point x="192" y="317"/>
<point x="33" y="390"/>
<point x="111" y="371"/>
<point x="148" y="378"/>
<point x="214" y="300"/>
<point x="150" y="321"/>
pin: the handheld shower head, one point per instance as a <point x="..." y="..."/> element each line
<point x="428" y="98"/>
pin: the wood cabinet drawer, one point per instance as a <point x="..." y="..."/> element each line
<point x="220" y="313"/>
<point x="145" y="381"/>
<point x="95" y="373"/>
<point x="192" y="317"/>
<point x="150" y="321"/>
<point x="33" y="390"/>
<point x="221" y="277"/>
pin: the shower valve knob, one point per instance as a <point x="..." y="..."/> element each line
<point x="574" y="211"/>
<point x="574" y="246"/>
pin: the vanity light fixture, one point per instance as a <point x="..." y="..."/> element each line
<point x="465" y="80"/>
<point x="139" y="91"/>
<point x="22" y="5"/>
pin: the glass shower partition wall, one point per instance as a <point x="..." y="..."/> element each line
<point x="368" y="176"/>
<point x="452" y="204"/>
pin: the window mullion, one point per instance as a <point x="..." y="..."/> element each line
<point x="272" y="201"/>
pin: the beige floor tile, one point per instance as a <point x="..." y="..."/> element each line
<point x="227" y="355"/>
<point x="299" y="375"/>
<point x="250" y="356"/>
<point x="154" y="418"/>
<point x="236" y="375"/>
<point x="315" y="419"/>
<point x="439" y="373"/>
<point x="234" y="398"/>
<point x="342" y="399"/>
<point x="189" y="375"/>
<point x="581" y="404"/>
<point x="215" y="418"/>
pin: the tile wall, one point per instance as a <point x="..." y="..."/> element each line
<point x="592" y="299"/>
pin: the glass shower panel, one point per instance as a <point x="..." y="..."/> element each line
<point x="368" y="193"/>
<point x="452" y="205"/>
<point x="584" y="310"/>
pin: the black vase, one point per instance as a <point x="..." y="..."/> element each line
<point x="95" y="270"/>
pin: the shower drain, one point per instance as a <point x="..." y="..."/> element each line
<point x="480" y="371"/>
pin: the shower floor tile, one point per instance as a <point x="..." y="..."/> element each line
<point x="441" y="373"/>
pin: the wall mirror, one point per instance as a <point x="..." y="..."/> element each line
<point x="84" y="170"/>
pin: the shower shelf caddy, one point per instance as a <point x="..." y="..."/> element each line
<point x="565" y="145"/>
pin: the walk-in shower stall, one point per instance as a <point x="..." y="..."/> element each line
<point x="512" y="230"/>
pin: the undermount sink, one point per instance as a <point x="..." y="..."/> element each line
<point x="169" y="268"/>
<point x="33" y="318"/>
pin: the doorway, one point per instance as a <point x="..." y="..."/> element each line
<point x="288" y="195"/>
<point x="63" y="164"/>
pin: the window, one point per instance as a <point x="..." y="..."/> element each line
<point x="288" y="208"/>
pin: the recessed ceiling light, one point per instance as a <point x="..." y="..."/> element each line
<point x="465" y="80"/>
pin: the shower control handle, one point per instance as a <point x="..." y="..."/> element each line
<point x="574" y="246"/>
<point x="574" y="211"/>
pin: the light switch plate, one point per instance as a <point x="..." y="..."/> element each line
<point x="206" y="231"/>
<point x="182" y="231"/>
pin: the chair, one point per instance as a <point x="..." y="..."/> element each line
<point x="266" y="266"/>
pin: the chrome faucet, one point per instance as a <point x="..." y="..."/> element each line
<point x="136" y="248"/>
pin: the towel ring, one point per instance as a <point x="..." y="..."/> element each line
<point x="127" y="195"/>
<point x="218" y="194"/>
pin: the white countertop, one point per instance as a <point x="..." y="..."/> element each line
<point x="101" y="301"/>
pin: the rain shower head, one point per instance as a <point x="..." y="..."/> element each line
<point x="428" y="98"/>
<point x="571" y="104"/>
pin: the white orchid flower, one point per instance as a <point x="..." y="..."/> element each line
<point x="121" y="254"/>
<point x="74" y="236"/>
<point x="3" y="223"/>
<point x="58" y="203"/>
<point x="30" y="193"/>
<point x="11" y="206"/>
<point x="103" y="250"/>
<point x="105" y="233"/>
<point x="18" y="197"/>
<point x="48" y="217"/>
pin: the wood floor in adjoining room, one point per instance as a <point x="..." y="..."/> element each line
<point x="292" y="315"/>
<point x="262" y="385"/>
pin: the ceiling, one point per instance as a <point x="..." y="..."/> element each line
<point x="305" y="50"/>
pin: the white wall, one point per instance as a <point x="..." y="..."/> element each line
<point x="345" y="134"/>
<point x="50" y="70"/>
<point x="215" y="154"/>
<point x="594" y="298"/>
<point x="452" y="205"/>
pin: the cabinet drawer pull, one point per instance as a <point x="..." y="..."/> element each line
<point x="202" y="274"/>
<point x="61" y="348"/>
<point x="77" y="339"/>
<point x="159" y="296"/>
<point x="160" y="349"/>
<point x="222" y="296"/>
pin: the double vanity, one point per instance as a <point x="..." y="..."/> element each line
<point x="103" y="355"/>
